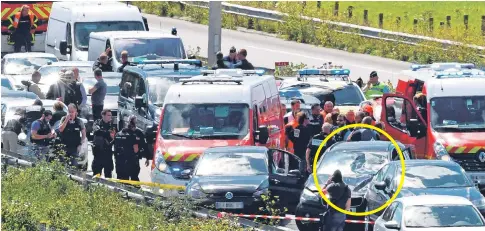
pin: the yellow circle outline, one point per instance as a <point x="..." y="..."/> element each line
<point x="401" y="158"/>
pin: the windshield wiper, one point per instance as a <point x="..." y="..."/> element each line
<point x="184" y="136"/>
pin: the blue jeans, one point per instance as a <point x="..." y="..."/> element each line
<point x="39" y="151"/>
<point x="335" y="221"/>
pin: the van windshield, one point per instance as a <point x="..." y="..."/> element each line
<point x="150" y="48"/>
<point x="460" y="113"/>
<point x="205" y="121"/>
<point x="83" y="29"/>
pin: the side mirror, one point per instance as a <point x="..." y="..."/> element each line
<point x="262" y="135"/>
<point x="138" y="102"/>
<point x="381" y="185"/>
<point x="186" y="172"/>
<point x="63" y="48"/>
<point x="295" y="173"/>
<point x="392" y="225"/>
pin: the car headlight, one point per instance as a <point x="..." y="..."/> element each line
<point x="161" y="164"/>
<point x="308" y="195"/>
<point x="195" y="191"/>
<point x="480" y="203"/>
<point x="440" y="151"/>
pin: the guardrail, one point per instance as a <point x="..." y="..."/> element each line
<point x="363" y="31"/>
<point x="10" y="158"/>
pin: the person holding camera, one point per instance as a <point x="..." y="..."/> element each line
<point x="340" y="195"/>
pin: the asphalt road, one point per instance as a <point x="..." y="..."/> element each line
<point x="264" y="50"/>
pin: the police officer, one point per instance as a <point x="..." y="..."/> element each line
<point x="33" y="113"/>
<point x="104" y="132"/>
<point x="73" y="134"/>
<point x="300" y="135"/>
<point x="316" y="120"/>
<point x="22" y="28"/>
<point x="130" y="147"/>
<point x="11" y="131"/>
<point x="314" y="144"/>
<point x="41" y="135"/>
<point x="374" y="87"/>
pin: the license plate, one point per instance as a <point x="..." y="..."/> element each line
<point x="229" y="205"/>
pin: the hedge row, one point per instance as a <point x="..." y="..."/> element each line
<point x="45" y="194"/>
<point x="303" y="31"/>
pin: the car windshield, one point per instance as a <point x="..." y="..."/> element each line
<point x="352" y="163"/>
<point x="462" y="113"/>
<point x="6" y="83"/>
<point x="213" y="121"/>
<point x="434" y="176"/>
<point x="158" y="88"/>
<point x="150" y="49"/>
<point x="54" y="70"/>
<point x="112" y="83"/>
<point x="426" y="216"/>
<point x="25" y="65"/>
<point x="232" y="164"/>
<point x="83" y="29"/>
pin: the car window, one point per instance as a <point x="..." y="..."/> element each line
<point x="25" y="65"/>
<point x="386" y="216"/>
<point x="397" y="216"/>
<point x="380" y="175"/>
<point x="283" y="162"/>
<point x="232" y="164"/>
<point x="389" y="176"/>
<point x="54" y="70"/>
<point x="433" y="176"/>
<point x="83" y="29"/>
<point x="428" y="216"/>
<point x="149" y="48"/>
<point x="458" y="114"/>
<point x="6" y="83"/>
<point x="353" y="162"/>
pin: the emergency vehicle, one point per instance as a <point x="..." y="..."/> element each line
<point x="41" y="9"/>
<point x="451" y="126"/>
<point x="224" y="107"/>
<point x="329" y="83"/>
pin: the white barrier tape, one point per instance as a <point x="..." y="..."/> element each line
<point x="287" y="217"/>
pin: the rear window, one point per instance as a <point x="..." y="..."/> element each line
<point x="442" y="216"/>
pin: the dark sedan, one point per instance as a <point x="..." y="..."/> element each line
<point x="234" y="178"/>
<point x="358" y="162"/>
<point x="423" y="177"/>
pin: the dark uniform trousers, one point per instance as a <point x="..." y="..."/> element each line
<point x="127" y="161"/>
<point x="103" y="148"/>
<point x="71" y="138"/>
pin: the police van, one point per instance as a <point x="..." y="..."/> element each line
<point x="70" y="24"/>
<point x="222" y="107"/>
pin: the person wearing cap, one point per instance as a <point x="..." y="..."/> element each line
<point x="103" y="62"/>
<point x="369" y="111"/>
<point x="374" y="87"/>
<point x="98" y="93"/>
<point x="231" y="59"/>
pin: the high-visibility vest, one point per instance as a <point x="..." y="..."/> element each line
<point x="375" y="90"/>
<point x="293" y="124"/>
<point x="15" y="24"/>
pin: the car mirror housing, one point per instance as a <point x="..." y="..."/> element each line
<point x="381" y="185"/>
<point x="392" y="225"/>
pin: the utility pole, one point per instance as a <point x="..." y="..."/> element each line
<point x="215" y="24"/>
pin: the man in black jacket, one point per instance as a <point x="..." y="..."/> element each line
<point x="11" y="131"/>
<point x="314" y="144"/>
<point x="244" y="63"/>
<point x="220" y="63"/>
<point x="124" y="61"/>
<point x="104" y="133"/>
<point x="103" y="62"/>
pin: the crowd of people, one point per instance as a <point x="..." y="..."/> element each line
<point x="233" y="60"/>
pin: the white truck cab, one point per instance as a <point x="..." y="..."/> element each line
<point x="70" y="24"/>
<point x="140" y="45"/>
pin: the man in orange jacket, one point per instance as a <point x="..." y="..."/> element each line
<point x="22" y="27"/>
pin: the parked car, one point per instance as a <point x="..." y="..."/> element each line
<point x="20" y="66"/>
<point x="8" y="83"/>
<point x="430" y="212"/>
<point x="242" y="175"/>
<point x="423" y="177"/>
<point x="358" y="162"/>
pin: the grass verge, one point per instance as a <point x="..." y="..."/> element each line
<point x="304" y="31"/>
<point x="44" y="193"/>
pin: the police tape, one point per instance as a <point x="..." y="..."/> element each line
<point x="287" y="217"/>
<point x="139" y="183"/>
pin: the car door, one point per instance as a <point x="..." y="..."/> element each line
<point x="382" y="196"/>
<point x="372" y="195"/>
<point x="400" y="117"/>
<point x="285" y="179"/>
<point x="386" y="216"/>
<point x="126" y="98"/>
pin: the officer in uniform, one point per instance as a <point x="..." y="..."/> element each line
<point x="104" y="132"/>
<point x="374" y="87"/>
<point x="314" y="144"/>
<point x="130" y="147"/>
<point x="316" y="120"/>
<point x="22" y="28"/>
<point x="300" y="135"/>
<point x="73" y="134"/>
<point x="33" y="113"/>
<point x="42" y="135"/>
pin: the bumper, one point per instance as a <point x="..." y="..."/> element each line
<point x="165" y="178"/>
<point x="251" y="204"/>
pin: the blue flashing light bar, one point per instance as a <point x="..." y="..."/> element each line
<point x="289" y="93"/>
<point x="461" y="74"/>
<point x="324" y="72"/>
<point x="195" y="62"/>
<point x="442" y="66"/>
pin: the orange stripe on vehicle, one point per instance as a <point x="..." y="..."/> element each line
<point x="474" y="150"/>
<point x="14" y="11"/>
<point x="166" y="155"/>
<point x="5" y="11"/>
<point x="47" y="10"/>
<point x="460" y="150"/>
<point x="40" y="12"/>
<point x="8" y="14"/>
<point x="192" y="157"/>
<point x="177" y="157"/>
<point x="448" y="148"/>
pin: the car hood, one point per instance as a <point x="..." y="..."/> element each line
<point x="358" y="183"/>
<point x="223" y="184"/>
<point x="110" y="102"/>
<point x="470" y="193"/>
<point x="454" y="140"/>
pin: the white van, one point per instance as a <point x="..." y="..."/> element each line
<point x="140" y="45"/>
<point x="71" y="23"/>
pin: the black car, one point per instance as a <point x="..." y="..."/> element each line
<point x="423" y="177"/>
<point x="234" y="178"/>
<point x="358" y="162"/>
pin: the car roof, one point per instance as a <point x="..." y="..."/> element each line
<point x="71" y="64"/>
<point x="454" y="87"/>
<point x="29" y="54"/>
<point x="417" y="162"/>
<point x="375" y="145"/>
<point x="134" y="34"/>
<point x="257" y="149"/>
<point x="434" y="200"/>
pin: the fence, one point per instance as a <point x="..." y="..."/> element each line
<point x="364" y="31"/>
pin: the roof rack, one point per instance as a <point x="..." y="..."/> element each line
<point x="195" y="62"/>
<point x="212" y="80"/>
<point x="461" y="74"/>
<point x="232" y="72"/>
<point x="442" y="66"/>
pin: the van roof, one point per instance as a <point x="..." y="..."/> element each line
<point x="455" y="87"/>
<point x="217" y="92"/>
<point x="29" y="54"/>
<point x="100" y="11"/>
<point x="131" y="34"/>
